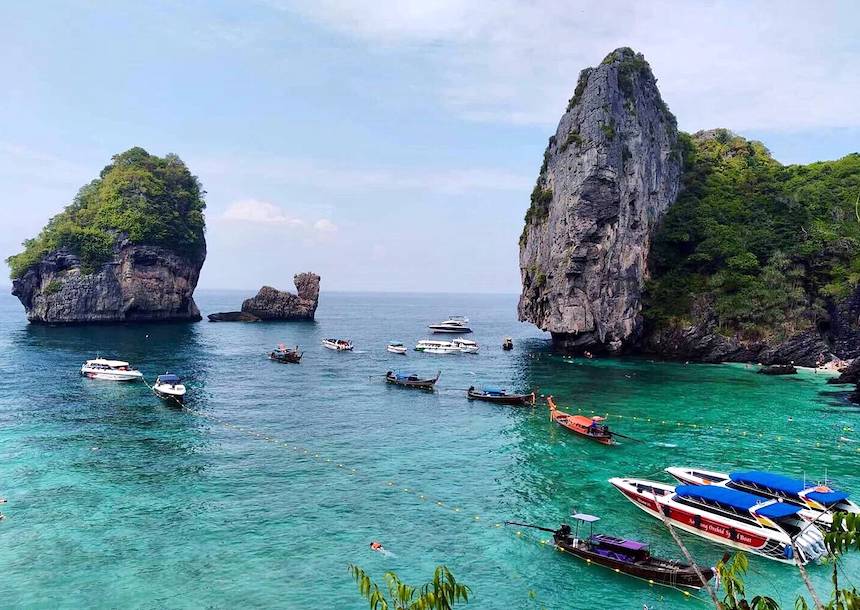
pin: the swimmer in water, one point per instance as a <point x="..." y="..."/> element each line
<point x="377" y="546"/>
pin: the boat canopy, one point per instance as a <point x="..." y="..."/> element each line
<point x="110" y="363"/>
<point x="620" y="543"/>
<point x="404" y="374"/>
<point x="585" y="518"/>
<point x="168" y="378"/>
<point x="739" y="500"/>
<point x="493" y="391"/>
<point x="788" y="486"/>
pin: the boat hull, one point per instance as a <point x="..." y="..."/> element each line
<point x="396" y="350"/>
<point x="658" y="571"/>
<point x="112" y="375"/>
<point x="510" y="399"/>
<point x="338" y="347"/>
<point x="450" y="330"/>
<point x="169" y="394"/>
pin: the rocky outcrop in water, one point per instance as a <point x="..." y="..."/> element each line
<point x="609" y="173"/>
<point x="138" y="284"/>
<point x="128" y="248"/>
<point x="273" y="304"/>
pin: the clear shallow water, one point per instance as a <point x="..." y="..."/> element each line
<point x="118" y="500"/>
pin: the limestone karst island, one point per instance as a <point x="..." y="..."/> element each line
<point x="324" y="306"/>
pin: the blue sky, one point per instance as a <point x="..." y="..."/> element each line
<point x="386" y="146"/>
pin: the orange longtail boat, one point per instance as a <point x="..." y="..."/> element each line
<point x="590" y="427"/>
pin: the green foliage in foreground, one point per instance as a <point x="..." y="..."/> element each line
<point x="843" y="536"/>
<point x="152" y="200"/>
<point x="442" y="593"/>
<point x="760" y="245"/>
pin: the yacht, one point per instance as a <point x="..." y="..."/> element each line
<point x="339" y="345"/>
<point x="430" y="346"/>
<point x="110" y="370"/>
<point x="168" y="387"/>
<point x="454" y="324"/>
<point x="466" y="346"/>
<point x="738" y="519"/>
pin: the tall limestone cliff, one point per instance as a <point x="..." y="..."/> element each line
<point x="129" y="248"/>
<point x="609" y="173"/>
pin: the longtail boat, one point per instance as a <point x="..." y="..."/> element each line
<point x="590" y="427"/>
<point x="621" y="555"/>
<point x="499" y="396"/>
<point x="411" y="380"/>
<point x="284" y="354"/>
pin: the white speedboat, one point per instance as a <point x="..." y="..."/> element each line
<point x="168" y="387"/>
<point x="817" y="503"/>
<point x="454" y="324"/>
<point x="396" y="348"/>
<point x="466" y="346"/>
<point x="429" y="346"/>
<point x="110" y="370"/>
<point x="340" y="345"/>
<point x="738" y="519"/>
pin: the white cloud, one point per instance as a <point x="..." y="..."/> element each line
<point x="767" y="66"/>
<point x="261" y="212"/>
<point x="324" y="225"/>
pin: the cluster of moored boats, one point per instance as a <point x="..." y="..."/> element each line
<point x="167" y="386"/>
<point x="763" y="513"/>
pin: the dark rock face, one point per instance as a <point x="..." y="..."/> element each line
<point x="139" y="284"/>
<point x="233" y="316"/>
<point x="273" y="304"/>
<point x="610" y="171"/>
<point x="850" y="374"/>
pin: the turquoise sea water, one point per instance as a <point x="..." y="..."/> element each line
<point x="284" y="473"/>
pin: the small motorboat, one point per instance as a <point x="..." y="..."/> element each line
<point x="396" y="348"/>
<point x="500" y="396"/>
<point x="817" y="503"/>
<point x="508" y="344"/>
<point x="339" y="345"/>
<point x="169" y="387"/>
<point x="286" y="355"/>
<point x="738" y="519"/>
<point x="465" y="346"/>
<point x="110" y="370"/>
<point x="630" y="557"/>
<point x="454" y="324"/>
<point x="589" y="427"/>
<point x="411" y="380"/>
<point x="429" y="346"/>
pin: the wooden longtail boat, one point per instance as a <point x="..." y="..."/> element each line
<point x="625" y="556"/>
<point x="500" y="396"/>
<point x="283" y="354"/>
<point x="590" y="427"/>
<point x="411" y="380"/>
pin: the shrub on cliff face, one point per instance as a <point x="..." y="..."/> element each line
<point x="152" y="200"/>
<point x="763" y="243"/>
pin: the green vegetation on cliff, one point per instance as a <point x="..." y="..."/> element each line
<point x="151" y="200"/>
<point x="755" y="244"/>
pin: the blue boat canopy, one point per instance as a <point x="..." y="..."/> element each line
<point x="168" y="378"/>
<point x="493" y="391"/>
<point x="787" y="485"/>
<point x="404" y="374"/>
<point x="739" y="500"/>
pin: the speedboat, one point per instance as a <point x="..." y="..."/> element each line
<point x="110" y="370"/>
<point x="396" y="348"/>
<point x="454" y="324"/>
<point x="622" y="555"/>
<point x="817" y="503"/>
<point x="738" y="519"/>
<point x="466" y="346"/>
<point x="430" y="346"/>
<point x="340" y="345"/>
<point x="168" y="387"/>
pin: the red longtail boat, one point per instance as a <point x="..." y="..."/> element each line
<point x="590" y="427"/>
